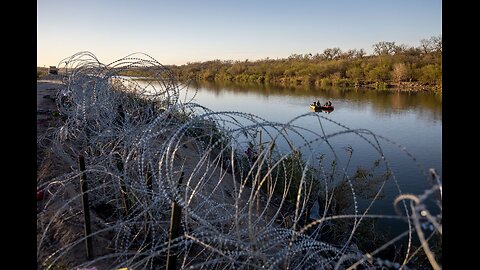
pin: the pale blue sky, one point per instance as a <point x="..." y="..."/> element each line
<point x="177" y="32"/>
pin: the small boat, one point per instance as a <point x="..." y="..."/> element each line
<point x="321" y="108"/>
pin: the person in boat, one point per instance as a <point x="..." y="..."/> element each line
<point x="328" y="103"/>
<point x="318" y="103"/>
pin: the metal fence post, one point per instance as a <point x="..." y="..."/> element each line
<point x="86" y="208"/>
<point x="174" y="230"/>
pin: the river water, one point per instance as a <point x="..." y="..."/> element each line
<point x="412" y="120"/>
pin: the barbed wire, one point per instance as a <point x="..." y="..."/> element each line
<point x="253" y="193"/>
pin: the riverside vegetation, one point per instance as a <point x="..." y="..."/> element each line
<point x="391" y="66"/>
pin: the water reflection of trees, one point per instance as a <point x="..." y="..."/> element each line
<point x="426" y="104"/>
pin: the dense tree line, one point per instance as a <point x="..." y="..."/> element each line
<point x="390" y="65"/>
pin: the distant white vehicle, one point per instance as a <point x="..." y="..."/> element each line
<point x="53" y="70"/>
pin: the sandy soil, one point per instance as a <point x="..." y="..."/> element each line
<point x="47" y="114"/>
<point x="61" y="233"/>
<point x="47" y="90"/>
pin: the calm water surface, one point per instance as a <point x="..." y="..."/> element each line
<point x="413" y="120"/>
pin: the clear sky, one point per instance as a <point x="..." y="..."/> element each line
<point x="181" y="31"/>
